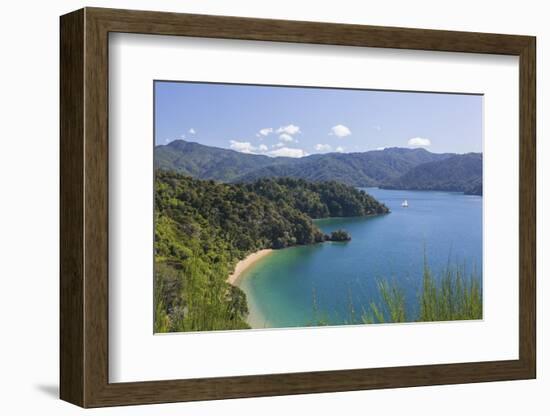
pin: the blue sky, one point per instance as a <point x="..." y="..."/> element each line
<point x="288" y="121"/>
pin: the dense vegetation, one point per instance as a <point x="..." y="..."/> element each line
<point x="339" y="235"/>
<point x="318" y="199"/>
<point x="475" y="188"/>
<point x="459" y="173"/>
<point x="202" y="228"/>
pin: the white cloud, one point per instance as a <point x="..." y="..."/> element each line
<point x="290" y="129"/>
<point x="419" y="141"/>
<point x="340" y="131"/>
<point x="323" y="147"/>
<point x="243" y="147"/>
<point x="286" y="137"/>
<point x="378" y="128"/>
<point x="340" y="149"/>
<point x="288" y="152"/>
<point x="279" y="149"/>
<point x="265" y="131"/>
<point x="192" y="131"/>
<point x="380" y="148"/>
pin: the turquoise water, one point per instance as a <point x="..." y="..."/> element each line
<point x="283" y="287"/>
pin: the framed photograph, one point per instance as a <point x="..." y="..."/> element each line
<point x="255" y="207"/>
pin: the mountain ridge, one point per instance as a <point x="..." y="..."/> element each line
<point x="392" y="168"/>
<point x="458" y="173"/>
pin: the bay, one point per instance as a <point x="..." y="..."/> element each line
<point x="331" y="282"/>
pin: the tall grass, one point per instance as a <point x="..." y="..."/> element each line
<point x="392" y="307"/>
<point x="450" y="296"/>
<point x="455" y="297"/>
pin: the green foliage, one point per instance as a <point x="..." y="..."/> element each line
<point x="339" y="235"/>
<point x="392" y="307"/>
<point x="203" y="228"/>
<point x="162" y="321"/>
<point x="192" y="295"/>
<point x="452" y="297"/>
<point x="318" y="199"/>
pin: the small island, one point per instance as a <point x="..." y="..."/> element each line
<point x="338" y="235"/>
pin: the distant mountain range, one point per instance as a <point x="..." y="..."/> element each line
<point x="460" y="173"/>
<point x="392" y="168"/>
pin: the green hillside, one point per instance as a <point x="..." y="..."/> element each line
<point x="207" y="162"/>
<point x="460" y="173"/>
<point x="203" y="228"/>
<point x="356" y="169"/>
<point x="392" y="168"/>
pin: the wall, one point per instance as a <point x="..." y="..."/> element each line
<point x="29" y="208"/>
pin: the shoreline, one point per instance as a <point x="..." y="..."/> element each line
<point x="347" y="218"/>
<point x="244" y="264"/>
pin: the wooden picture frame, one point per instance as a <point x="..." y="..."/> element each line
<point x="84" y="207"/>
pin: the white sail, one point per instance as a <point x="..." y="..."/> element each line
<point x="405" y="203"/>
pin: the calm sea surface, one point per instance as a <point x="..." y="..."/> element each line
<point x="299" y="285"/>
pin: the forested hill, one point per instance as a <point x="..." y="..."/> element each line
<point x="202" y="228"/>
<point x="460" y="173"/>
<point x="356" y="169"/>
<point x="318" y="199"/>
<point x="207" y="162"/>
<point x="392" y="168"/>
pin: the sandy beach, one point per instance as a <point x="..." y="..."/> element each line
<point x="246" y="263"/>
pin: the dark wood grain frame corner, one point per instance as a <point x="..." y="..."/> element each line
<point x="84" y="207"/>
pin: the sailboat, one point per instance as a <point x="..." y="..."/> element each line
<point x="405" y="204"/>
